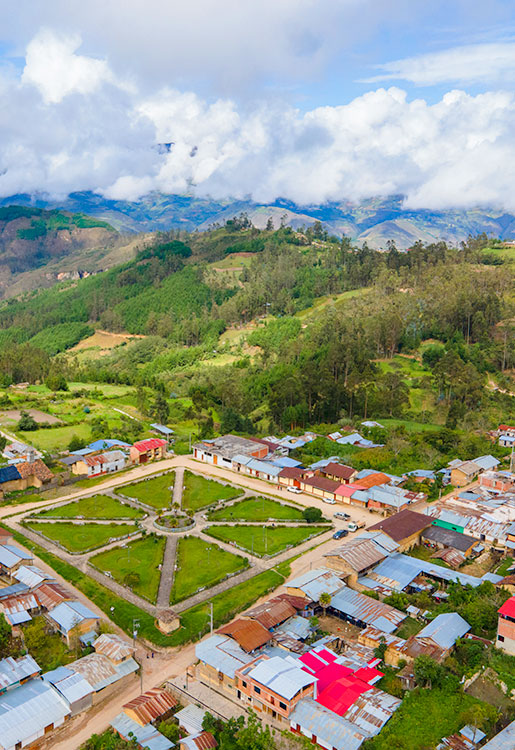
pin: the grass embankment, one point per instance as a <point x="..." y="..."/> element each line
<point x="97" y="506"/>
<point x="257" y="509"/>
<point x="201" y="565"/>
<point x="199" y="492"/>
<point x="77" y="538"/>
<point x="156" y="492"/>
<point x="136" y="566"/>
<point x="264" y="540"/>
<point x="424" y="717"/>
<point x="194" y="621"/>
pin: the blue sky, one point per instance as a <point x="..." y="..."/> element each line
<point x="303" y="99"/>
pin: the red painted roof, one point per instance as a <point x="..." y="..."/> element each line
<point x="508" y="608"/>
<point x="339" y="470"/>
<point x="148" y="445"/>
<point x="347" y="490"/>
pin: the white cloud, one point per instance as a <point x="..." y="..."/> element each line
<point x="85" y="130"/>
<point x="54" y="68"/>
<point x="474" y="63"/>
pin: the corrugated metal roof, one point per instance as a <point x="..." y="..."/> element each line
<point x="202" y="741"/>
<point x="284" y="676"/>
<point x="13" y="671"/>
<point x="8" y="558"/>
<point x="72" y="686"/>
<point x="315" y="582"/>
<point x="100" y="672"/>
<point x="16" y="588"/>
<point x="372" y="710"/>
<point x="367" y="610"/>
<point x="9" y="474"/>
<point x="147" y="736"/>
<point x="249" y="634"/>
<point x="30" y="575"/>
<point x="271" y="613"/>
<point x="333" y="730"/>
<point x="27" y="710"/>
<point x="18" y="618"/>
<point x="69" y="614"/>
<point x="50" y="594"/>
<point x="19" y="603"/>
<point x="445" y="629"/>
<point x="151" y="705"/>
<point x="297" y="627"/>
<point x="191" y="718"/>
<point x="113" y="646"/>
<point x="264" y="467"/>
<point x="223" y="654"/>
<point x="504" y="740"/>
<point x="486" y="462"/>
<point x="359" y="553"/>
<point x="142" y="446"/>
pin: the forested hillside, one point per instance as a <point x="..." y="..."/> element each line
<point x="276" y="330"/>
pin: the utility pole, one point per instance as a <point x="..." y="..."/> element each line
<point x="211" y="616"/>
<point x="511" y="458"/>
<point x="135" y="626"/>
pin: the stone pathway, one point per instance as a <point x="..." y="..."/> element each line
<point x="167" y="572"/>
<point x="178" y="485"/>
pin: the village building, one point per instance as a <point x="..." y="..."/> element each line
<point x="437" y="537"/>
<point x="250" y="635"/>
<point x="497" y="481"/>
<point x="73" y="620"/>
<point x="222" y="450"/>
<point x="359" y="555"/>
<point x="313" y="583"/>
<point x="506" y="627"/>
<point x="145" y="451"/>
<point x="12" y="558"/>
<point x="96" y="465"/>
<point x="405" y="528"/>
<point x="75" y="690"/>
<point x="219" y="657"/>
<point x="105" y="673"/>
<point x="339" y="472"/>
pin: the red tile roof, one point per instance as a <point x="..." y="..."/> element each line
<point x="347" y="490"/>
<point x="291" y="472"/>
<point x="148" y="445"/>
<point x="339" y="470"/>
<point x="403" y="524"/>
<point x="249" y="634"/>
<point x="508" y="608"/>
<point x="373" y="480"/>
<point x="35" y="469"/>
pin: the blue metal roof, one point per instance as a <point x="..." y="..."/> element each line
<point x="69" y="614"/>
<point x="297" y="626"/>
<point x="222" y="653"/>
<point x="8" y="558"/>
<point x="71" y="685"/>
<point x="13" y="671"/>
<point x="16" y="588"/>
<point x="17" y="618"/>
<point x="285" y="462"/>
<point x="505" y="740"/>
<point x="264" y="466"/>
<point x="486" y="462"/>
<point x="327" y="726"/>
<point x="162" y="428"/>
<point x="365" y="609"/>
<point x="445" y="629"/>
<point x="23" y="553"/>
<point x="146" y="736"/>
<point x="27" y="710"/>
<point x="9" y="474"/>
<point x="101" y="445"/>
<point x="315" y="582"/>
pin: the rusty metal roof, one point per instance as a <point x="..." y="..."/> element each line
<point x="359" y="553"/>
<point x="249" y="634"/>
<point x="202" y="741"/>
<point x="113" y="646"/>
<point x="271" y="613"/>
<point x="51" y="594"/>
<point x="151" y="705"/>
<point x="372" y="709"/>
<point x="402" y="525"/>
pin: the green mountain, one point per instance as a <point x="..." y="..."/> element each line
<point x="374" y="220"/>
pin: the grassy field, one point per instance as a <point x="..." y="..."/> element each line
<point x="55" y="438"/>
<point x="137" y="566"/>
<point x="410" y="425"/>
<point x="409" y="627"/>
<point x="80" y="538"/>
<point x="201" y="565"/>
<point x="195" y="621"/>
<point x="97" y="506"/>
<point x="423" y="719"/>
<point x="264" y="540"/>
<point x="337" y="299"/>
<point x="256" y="509"/>
<point x="155" y="492"/>
<point x="199" y="492"/>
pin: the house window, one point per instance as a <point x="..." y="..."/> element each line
<point x="244" y="683"/>
<point x="257" y="690"/>
<point x="17" y="746"/>
<point x="282" y="705"/>
<point x="500" y="638"/>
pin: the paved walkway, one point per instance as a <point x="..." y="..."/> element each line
<point x="167" y="572"/>
<point x="178" y="486"/>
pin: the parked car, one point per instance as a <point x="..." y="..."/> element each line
<point x="352" y="526"/>
<point x="341" y="514"/>
<point x="329" y="500"/>
<point x="340" y="533"/>
<point x="294" y="490"/>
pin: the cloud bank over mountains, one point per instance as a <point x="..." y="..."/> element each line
<point x="72" y="121"/>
